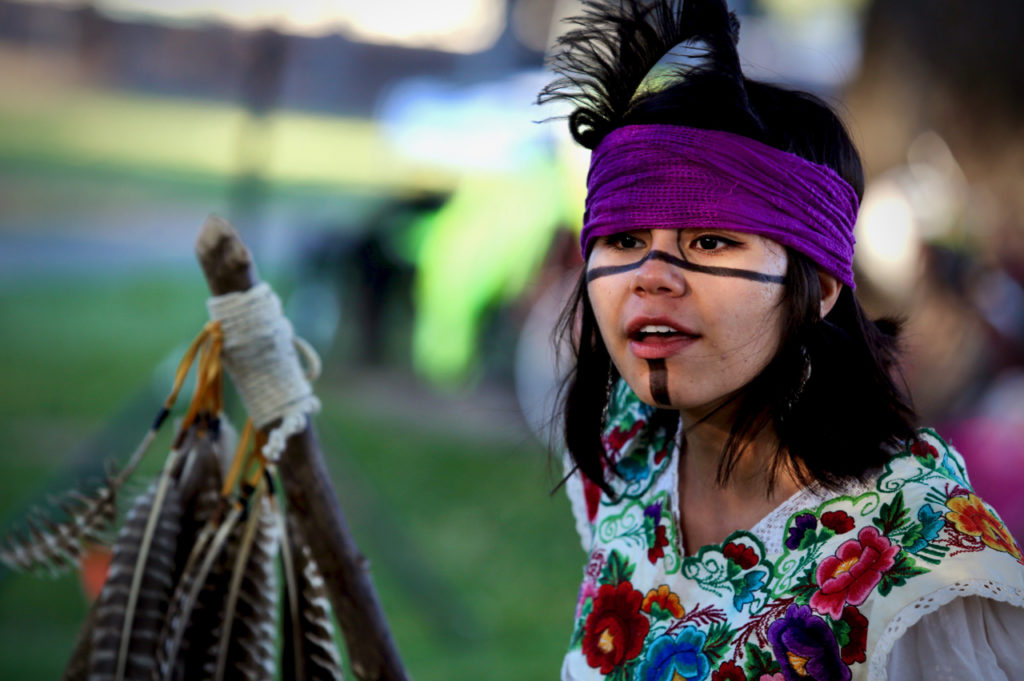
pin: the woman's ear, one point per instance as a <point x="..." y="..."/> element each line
<point x="830" y="288"/>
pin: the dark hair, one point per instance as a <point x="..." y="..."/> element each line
<point x="848" y="414"/>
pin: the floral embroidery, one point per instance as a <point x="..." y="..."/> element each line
<point x="728" y="672"/>
<point x="839" y="522"/>
<point x="853" y="572"/>
<point x="922" y="449"/>
<point x="657" y="538"/>
<point x="661" y="603"/>
<point x="970" y="516"/>
<point x="802" y="614"/>
<point x="615" y="630"/>
<point x="806" y="648"/>
<point x="744" y="556"/>
<point x="681" y="657"/>
<point x="803" y="523"/>
<point x="852" y="635"/>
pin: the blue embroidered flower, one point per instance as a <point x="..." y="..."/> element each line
<point x="746" y="586"/>
<point x="932" y="522"/>
<point x="803" y="524"/>
<point x="633" y="468"/>
<point x="805" y="647"/>
<point x="681" y="657"/>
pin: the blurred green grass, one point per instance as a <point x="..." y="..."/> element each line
<point x="476" y="563"/>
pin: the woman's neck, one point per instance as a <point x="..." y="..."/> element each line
<point x="709" y="512"/>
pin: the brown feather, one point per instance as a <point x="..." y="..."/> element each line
<point x="56" y="546"/>
<point x="245" y="651"/>
<point x="318" y="658"/>
<point x="152" y="595"/>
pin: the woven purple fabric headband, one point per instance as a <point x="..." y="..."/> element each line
<point x="675" y="177"/>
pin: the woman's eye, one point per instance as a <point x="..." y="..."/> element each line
<point x="623" y="241"/>
<point x="709" y="242"/>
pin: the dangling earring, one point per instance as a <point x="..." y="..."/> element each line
<point x="607" y="398"/>
<point x="805" y="375"/>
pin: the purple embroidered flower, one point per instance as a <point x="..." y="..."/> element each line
<point x="806" y="648"/>
<point x="657" y="538"/>
<point x="804" y="523"/>
<point x="671" y="659"/>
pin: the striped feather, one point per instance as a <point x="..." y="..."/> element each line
<point x="246" y="647"/>
<point x="54" y="547"/>
<point x="308" y="649"/>
<point x="119" y="625"/>
<point x="196" y="611"/>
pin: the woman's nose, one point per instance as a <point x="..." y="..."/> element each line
<point x="656" y="276"/>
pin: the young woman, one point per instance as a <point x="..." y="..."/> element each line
<point x="747" y="478"/>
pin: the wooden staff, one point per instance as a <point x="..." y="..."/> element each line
<point x="228" y="267"/>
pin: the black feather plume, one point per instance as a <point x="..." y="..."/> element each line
<point x="602" y="62"/>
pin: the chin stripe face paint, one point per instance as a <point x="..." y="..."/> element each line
<point x="659" y="381"/>
<point x="598" y="272"/>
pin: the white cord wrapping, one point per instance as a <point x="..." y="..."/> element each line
<point x="260" y="355"/>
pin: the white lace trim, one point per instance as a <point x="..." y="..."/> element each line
<point x="911" y="614"/>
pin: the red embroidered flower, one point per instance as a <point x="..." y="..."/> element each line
<point x="744" y="556"/>
<point x="728" y="672"/>
<point x="837" y="521"/>
<point x="592" y="495"/>
<point x="853" y="572"/>
<point x="924" y="450"/>
<point x="660" y="542"/>
<point x="664" y="599"/>
<point x="617" y="437"/>
<point x="615" y="630"/>
<point x="970" y="516"/>
<point x="857" y="645"/>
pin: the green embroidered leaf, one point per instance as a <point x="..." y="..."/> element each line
<point x="577" y="635"/>
<point x="892" y="516"/>
<point x="913" y="534"/>
<point x="618" y="569"/>
<point x="842" y="631"/>
<point x="731" y="570"/>
<point x="620" y="673"/>
<point x="759" y="662"/>
<point x="805" y="586"/>
<point x="813" y="537"/>
<point x="659" y="613"/>
<point x="903" y="569"/>
<point x="717" y="645"/>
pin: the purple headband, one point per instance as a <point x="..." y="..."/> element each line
<point x="675" y="177"/>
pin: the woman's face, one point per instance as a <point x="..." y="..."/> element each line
<point x="689" y="316"/>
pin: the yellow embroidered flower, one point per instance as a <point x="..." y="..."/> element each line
<point x="970" y="516"/>
<point x="664" y="599"/>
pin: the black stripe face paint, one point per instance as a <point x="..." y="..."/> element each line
<point x="658" y="377"/>
<point x="598" y="272"/>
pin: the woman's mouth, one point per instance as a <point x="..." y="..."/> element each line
<point x="653" y="341"/>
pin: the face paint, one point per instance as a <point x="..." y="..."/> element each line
<point x="713" y="333"/>
<point x="598" y="272"/>
<point x="659" y="381"/>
